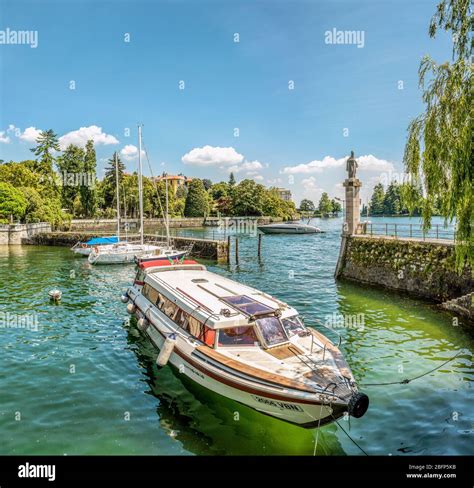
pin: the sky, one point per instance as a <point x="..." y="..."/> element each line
<point x="278" y="91"/>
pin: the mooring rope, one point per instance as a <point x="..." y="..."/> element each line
<point x="408" y="380"/>
<point x="347" y="434"/>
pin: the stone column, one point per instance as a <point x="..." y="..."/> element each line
<point x="352" y="206"/>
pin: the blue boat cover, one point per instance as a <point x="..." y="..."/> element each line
<point x="102" y="240"/>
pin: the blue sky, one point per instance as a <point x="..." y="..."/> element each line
<point x="294" y="138"/>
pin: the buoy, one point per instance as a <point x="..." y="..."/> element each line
<point x="55" y="295"/>
<point x="143" y="324"/>
<point x="124" y="298"/>
<point x="166" y="351"/>
<point x="131" y="307"/>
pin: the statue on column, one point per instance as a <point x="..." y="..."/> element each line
<point x="351" y="165"/>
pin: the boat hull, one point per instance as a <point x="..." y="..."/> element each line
<point x="308" y="410"/>
<point x="287" y="229"/>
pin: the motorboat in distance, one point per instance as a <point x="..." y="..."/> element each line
<point x="242" y="344"/>
<point x="289" y="228"/>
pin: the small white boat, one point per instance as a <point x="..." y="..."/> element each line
<point x="289" y="228"/>
<point x="121" y="253"/>
<point x="85" y="248"/>
<point x="242" y="343"/>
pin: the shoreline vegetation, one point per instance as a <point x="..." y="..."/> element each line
<point x="59" y="186"/>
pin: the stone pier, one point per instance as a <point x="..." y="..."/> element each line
<point x="17" y="234"/>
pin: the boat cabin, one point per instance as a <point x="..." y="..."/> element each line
<point x="205" y="305"/>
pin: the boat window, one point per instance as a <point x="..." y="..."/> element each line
<point x="247" y="305"/>
<point x="237" y="336"/>
<point x="150" y="293"/>
<point x="272" y="331"/>
<point x="293" y="325"/>
<point x="182" y="319"/>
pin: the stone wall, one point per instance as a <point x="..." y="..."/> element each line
<point x="202" y="248"/>
<point x="16" y="234"/>
<point x="423" y="268"/>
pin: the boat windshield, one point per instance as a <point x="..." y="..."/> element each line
<point x="293" y="325"/>
<point x="272" y="331"/>
<point x="247" y="305"/>
<point x="237" y="336"/>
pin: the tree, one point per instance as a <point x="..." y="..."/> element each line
<point x="438" y="151"/>
<point x="109" y="189"/>
<point x="336" y="206"/>
<point x="248" y="198"/>
<point x="231" y="179"/>
<point x="219" y="190"/>
<point x="207" y="183"/>
<point x="307" y="205"/>
<point x="392" y="204"/>
<point x="196" y="201"/>
<point x="88" y="191"/>
<point x="12" y="202"/>
<point x="377" y="200"/>
<point x="71" y="165"/>
<point x="325" y="206"/>
<point x="47" y="142"/>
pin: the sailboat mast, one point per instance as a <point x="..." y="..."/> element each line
<point x="167" y="221"/>
<point x="140" y="181"/>
<point x="118" y="197"/>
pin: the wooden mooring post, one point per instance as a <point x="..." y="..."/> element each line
<point x="236" y="250"/>
<point x="259" y="246"/>
<point x="228" y="249"/>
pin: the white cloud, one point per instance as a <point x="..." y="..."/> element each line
<point x="4" y="138"/>
<point x="130" y="152"/>
<point x="311" y="189"/>
<point x="30" y="134"/>
<point x="212" y="155"/>
<point x="249" y="166"/>
<point x="367" y="163"/>
<point x="80" y="137"/>
<point x="258" y="178"/>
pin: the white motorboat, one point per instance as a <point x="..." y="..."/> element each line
<point x="242" y="343"/>
<point x="289" y="228"/>
<point x="85" y="248"/>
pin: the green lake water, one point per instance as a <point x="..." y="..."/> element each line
<point x="85" y="383"/>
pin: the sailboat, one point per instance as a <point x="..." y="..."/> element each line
<point x="168" y="252"/>
<point x="125" y="252"/>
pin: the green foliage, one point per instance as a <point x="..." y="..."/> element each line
<point x="377" y="201"/>
<point x="12" y="202"/>
<point x="248" y="198"/>
<point x="231" y="179"/>
<point x="46" y="143"/>
<point x="196" y="201"/>
<point x="71" y="166"/>
<point x="336" y="206"/>
<point x="207" y="183"/>
<point x="88" y="192"/>
<point x="439" y="143"/>
<point x="109" y="186"/>
<point x="307" y="205"/>
<point x="325" y="205"/>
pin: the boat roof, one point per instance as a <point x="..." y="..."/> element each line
<point x="218" y="301"/>
<point x="102" y="240"/>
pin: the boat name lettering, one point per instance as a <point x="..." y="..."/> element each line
<point x="281" y="405"/>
